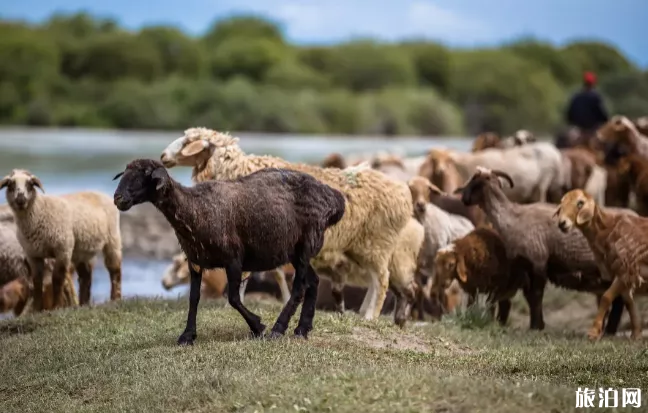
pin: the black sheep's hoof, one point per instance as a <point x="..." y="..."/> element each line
<point x="259" y="332"/>
<point x="274" y="335"/>
<point x="301" y="333"/>
<point x="186" y="339"/>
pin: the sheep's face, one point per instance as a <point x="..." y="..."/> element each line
<point x="576" y="208"/>
<point x="445" y="267"/>
<point x="472" y="193"/>
<point x="140" y="182"/>
<point x="436" y="165"/>
<point x="486" y="140"/>
<point x="422" y="190"/>
<point x="196" y="147"/>
<point x="177" y="273"/>
<point x="616" y="136"/>
<point x="21" y="189"/>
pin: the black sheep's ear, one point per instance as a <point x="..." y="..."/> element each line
<point x="159" y="176"/>
<point x="117" y="176"/>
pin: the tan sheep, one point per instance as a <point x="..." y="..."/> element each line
<point x="70" y="228"/>
<point x="440" y="169"/>
<point x="620" y="246"/>
<point x="478" y="261"/>
<point x="377" y="208"/>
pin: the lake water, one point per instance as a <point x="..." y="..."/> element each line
<point x="76" y="159"/>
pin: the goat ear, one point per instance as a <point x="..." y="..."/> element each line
<point x="37" y="183"/>
<point x="4" y="182"/>
<point x="117" y="176"/>
<point x="556" y="212"/>
<point x="462" y="272"/>
<point x="194" y="148"/>
<point x="159" y="176"/>
<point x="435" y="189"/>
<point x="585" y="214"/>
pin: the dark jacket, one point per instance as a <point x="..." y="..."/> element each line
<point x="586" y="110"/>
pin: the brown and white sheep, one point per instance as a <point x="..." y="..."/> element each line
<point x="70" y="228"/>
<point x="619" y="243"/>
<point x="377" y="208"/>
<point x="478" y="261"/>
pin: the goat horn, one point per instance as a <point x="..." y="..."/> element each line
<point x="117" y="176"/>
<point x="503" y="175"/>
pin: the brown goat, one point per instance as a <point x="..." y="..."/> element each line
<point x="620" y="245"/>
<point x="480" y="264"/>
<point x="440" y="169"/>
<point x="486" y="140"/>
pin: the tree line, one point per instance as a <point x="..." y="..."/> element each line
<point x="242" y="75"/>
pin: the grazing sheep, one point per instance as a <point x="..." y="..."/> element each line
<point x="377" y="207"/>
<point x="441" y="228"/>
<point x="619" y="243"/>
<point x="478" y="261"/>
<point x="621" y="136"/>
<point x="70" y="228"/>
<point x="535" y="244"/>
<point x="219" y="225"/>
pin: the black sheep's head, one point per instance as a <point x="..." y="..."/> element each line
<point x="473" y="192"/>
<point x="140" y="182"/>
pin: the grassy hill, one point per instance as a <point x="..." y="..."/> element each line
<point x="123" y="357"/>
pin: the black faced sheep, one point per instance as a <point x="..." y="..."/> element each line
<point x="220" y="224"/>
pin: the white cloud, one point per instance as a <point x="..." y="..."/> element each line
<point x="386" y="19"/>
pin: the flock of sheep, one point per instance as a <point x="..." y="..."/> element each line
<point x="511" y="215"/>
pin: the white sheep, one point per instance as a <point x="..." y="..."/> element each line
<point x="71" y="229"/>
<point x="377" y="207"/>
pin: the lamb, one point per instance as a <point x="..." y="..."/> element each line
<point x="441" y="228"/>
<point x="377" y="208"/>
<point x="478" y="261"/>
<point x="70" y="228"/>
<point x="536" y="245"/>
<point x="219" y="225"/>
<point x="620" y="245"/>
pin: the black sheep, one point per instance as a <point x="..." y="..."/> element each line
<point x="254" y="223"/>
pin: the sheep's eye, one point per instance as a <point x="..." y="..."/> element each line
<point x="580" y="204"/>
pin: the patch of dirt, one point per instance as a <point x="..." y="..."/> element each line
<point x="401" y="341"/>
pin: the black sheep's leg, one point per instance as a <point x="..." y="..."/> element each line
<point x="534" y="294"/>
<point x="614" y="317"/>
<point x="503" y="310"/>
<point x="234" y="273"/>
<point x="296" y="297"/>
<point x="189" y="334"/>
<point x="305" y="324"/>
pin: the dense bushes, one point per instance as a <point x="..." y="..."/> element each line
<point x="243" y="75"/>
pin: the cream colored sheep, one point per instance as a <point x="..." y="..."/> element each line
<point x="377" y="208"/>
<point x="71" y="228"/>
<point x="620" y="246"/>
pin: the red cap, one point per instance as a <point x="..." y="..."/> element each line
<point x="589" y="78"/>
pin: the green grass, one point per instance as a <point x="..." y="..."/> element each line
<point x="122" y="357"/>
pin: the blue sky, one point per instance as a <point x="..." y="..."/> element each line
<point x="455" y="22"/>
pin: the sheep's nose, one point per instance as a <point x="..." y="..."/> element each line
<point x="420" y="206"/>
